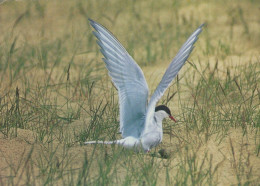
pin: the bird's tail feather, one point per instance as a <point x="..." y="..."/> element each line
<point x="100" y="142"/>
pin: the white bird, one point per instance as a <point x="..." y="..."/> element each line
<point x="140" y="124"/>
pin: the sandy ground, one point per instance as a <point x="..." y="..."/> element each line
<point x="25" y="154"/>
<point x="18" y="154"/>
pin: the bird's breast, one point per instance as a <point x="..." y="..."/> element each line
<point x="150" y="140"/>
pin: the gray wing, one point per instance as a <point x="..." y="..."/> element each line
<point x="128" y="79"/>
<point x="172" y="71"/>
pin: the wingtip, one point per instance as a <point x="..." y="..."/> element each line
<point x="199" y="29"/>
<point x="202" y="25"/>
<point x="92" y="22"/>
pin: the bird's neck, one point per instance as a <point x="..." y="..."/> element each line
<point x="153" y="124"/>
<point x="159" y="118"/>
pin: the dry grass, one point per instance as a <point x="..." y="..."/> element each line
<point x="55" y="93"/>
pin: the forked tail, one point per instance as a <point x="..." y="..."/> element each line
<point x="128" y="142"/>
<point x="100" y="142"/>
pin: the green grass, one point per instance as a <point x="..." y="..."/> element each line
<point x="55" y="93"/>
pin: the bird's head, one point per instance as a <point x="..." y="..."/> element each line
<point x="164" y="112"/>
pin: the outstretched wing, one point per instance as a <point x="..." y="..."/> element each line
<point x="172" y="71"/>
<point x="128" y="79"/>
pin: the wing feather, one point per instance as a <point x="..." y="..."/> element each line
<point x="128" y="79"/>
<point x="171" y="73"/>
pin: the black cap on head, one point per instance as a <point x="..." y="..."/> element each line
<point x="163" y="107"/>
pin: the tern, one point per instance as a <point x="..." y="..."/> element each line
<point x="140" y="123"/>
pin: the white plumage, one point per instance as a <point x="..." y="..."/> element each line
<point x="140" y="125"/>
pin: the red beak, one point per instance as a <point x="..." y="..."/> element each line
<point x="172" y="118"/>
